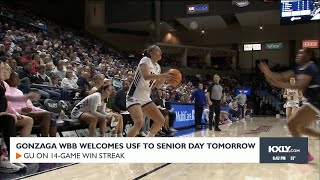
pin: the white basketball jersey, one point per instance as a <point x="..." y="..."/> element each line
<point x="141" y="88"/>
<point x="294" y="93"/>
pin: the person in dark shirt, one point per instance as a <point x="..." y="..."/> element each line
<point x="119" y="100"/>
<point x="119" y="103"/>
<point x="84" y="84"/>
<point x="307" y="75"/>
<point x="199" y="98"/>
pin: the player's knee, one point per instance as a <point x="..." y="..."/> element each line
<point x="291" y="124"/>
<point x="138" y="123"/>
<point x="161" y="120"/>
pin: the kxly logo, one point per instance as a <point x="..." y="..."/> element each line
<point x="281" y="149"/>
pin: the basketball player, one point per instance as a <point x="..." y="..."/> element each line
<point x="138" y="100"/>
<point x="293" y="97"/>
<point x="308" y="79"/>
<point x="91" y="109"/>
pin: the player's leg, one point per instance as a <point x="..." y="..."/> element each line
<point x="151" y="110"/>
<point x="298" y="122"/>
<point x="91" y="120"/>
<point x="137" y="117"/>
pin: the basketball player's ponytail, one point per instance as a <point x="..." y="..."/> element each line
<point x="149" y="50"/>
<point x="145" y="53"/>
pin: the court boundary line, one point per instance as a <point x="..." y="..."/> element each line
<point x="45" y="171"/>
<point x="151" y="171"/>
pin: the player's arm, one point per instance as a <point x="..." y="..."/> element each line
<point x="208" y="98"/>
<point x="159" y="82"/>
<point x="145" y="72"/>
<point x="302" y="82"/>
<point x="284" y="76"/>
<point x="285" y="93"/>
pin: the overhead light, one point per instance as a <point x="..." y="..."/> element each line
<point x="260" y="27"/>
<point x="202" y="31"/>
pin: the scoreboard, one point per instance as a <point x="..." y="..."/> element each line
<point x="300" y="10"/>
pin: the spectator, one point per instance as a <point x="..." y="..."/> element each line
<point x="60" y="71"/>
<point x="28" y="111"/>
<point x="242" y="98"/>
<point x="199" y="98"/>
<point x="69" y="82"/>
<point x="98" y="82"/>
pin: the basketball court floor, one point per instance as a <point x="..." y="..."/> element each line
<point x="255" y="127"/>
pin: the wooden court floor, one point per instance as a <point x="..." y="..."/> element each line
<point x="255" y="127"/>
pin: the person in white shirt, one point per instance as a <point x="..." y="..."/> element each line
<point x="138" y="100"/>
<point x="69" y="82"/>
<point x="293" y="97"/>
<point x="92" y="109"/>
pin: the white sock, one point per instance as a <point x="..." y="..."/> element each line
<point x="114" y="135"/>
<point x="150" y="135"/>
<point x="120" y="135"/>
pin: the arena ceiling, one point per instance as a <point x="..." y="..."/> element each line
<point x="216" y="22"/>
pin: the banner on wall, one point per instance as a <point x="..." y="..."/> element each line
<point x="278" y="45"/>
<point x="314" y="44"/>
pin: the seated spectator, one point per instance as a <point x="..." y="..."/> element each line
<point x="118" y="130"/>
<point x="43" y="78"/>
<point x="25" y="123"/>
<point x="116" y="82"/>
<point x="83" y="81"/>
<point x="98" y="82"/>
<point x="119" y="103"/>
<point x="157" y="99"/>
<point x="27" y="111"/>
<point x="28" y="58"/>
<point x="55" y="81"/>
<point x="60" y="71"/>
<point x="26" y="72"/>
<point x="13" y="64"/>
<point x="79" y="71"/>
<point x="50" y="69"/>
<point x="69" y="82"/>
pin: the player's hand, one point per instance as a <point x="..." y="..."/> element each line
<point x="168" y="77"/>
<point x="209" y="103"/>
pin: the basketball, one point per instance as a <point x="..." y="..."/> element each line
<point x="178" y="77"/>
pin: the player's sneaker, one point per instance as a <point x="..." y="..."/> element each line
<point x="7" y="167"/>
